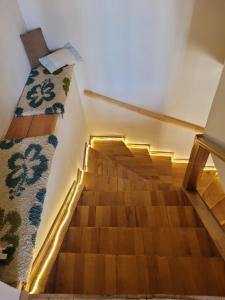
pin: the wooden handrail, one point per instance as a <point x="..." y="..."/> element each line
<point x="145" y="112"/>
<point x="202" y="147"/>
<point x="211" y="146"/>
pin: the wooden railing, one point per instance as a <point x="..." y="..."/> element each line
<point x="202" y="147"/>
<point x="145" y="112"/>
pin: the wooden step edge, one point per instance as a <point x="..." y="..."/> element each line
<point x="144" y="180"/>
<point x="107" y="138"/>
<point x="147" y="147"/>
<point x="201" y="259"/>
<point x="139" y="179"/>
<point x="162" y="153"/>
<point x="143" y="206"/>
<point x="142" y="193"/>
<point x="211" y="224"/>
<point x="152" y="229"/>
<point x="120" y="296"/>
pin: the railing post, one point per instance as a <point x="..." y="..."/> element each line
<point x="197" y="162"/>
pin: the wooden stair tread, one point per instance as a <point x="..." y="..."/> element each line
<point x="139" y="274"/>
<point x="155" y="198"/>
<point x="178" y="171"/>
<point x="32" y="126"/>
<point x="214" y="193"/>
<point x="205" y="180"/>
<point x="141" y="162"/>
<point x="113" y="184"/>
<point x="104" y="165"/>
<point x="123" y="240"/>
<point x="136" y="216"/>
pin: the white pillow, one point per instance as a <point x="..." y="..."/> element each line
<point x="60" y="58"/>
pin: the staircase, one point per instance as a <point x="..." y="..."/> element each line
<point x="134" y="232"/>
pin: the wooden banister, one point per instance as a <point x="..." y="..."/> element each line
<point x="202" y="147"/>
<point x="211" y="146"/>
<point x="145" y="112"/>
<point x="196" y="164"/>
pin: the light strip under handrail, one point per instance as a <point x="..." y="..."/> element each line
<point x="145" y="112"/>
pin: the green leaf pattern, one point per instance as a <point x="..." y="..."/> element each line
<point x="66" y="85"/>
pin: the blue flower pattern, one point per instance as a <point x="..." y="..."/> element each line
<point x="7" y="144"/>
<point x="19" y="111"/>
<point x="52" y="139"/>
<point x="57" y="108"/>
<point x="40" y="196"/>
<point x="34" y="73"/>
<point x="26" y="169"/>
<point x="41" y="92"/>
<point x="36" y="211"/>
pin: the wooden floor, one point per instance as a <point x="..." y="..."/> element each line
<point x="134" y="232"/>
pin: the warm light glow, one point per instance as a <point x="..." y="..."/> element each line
<point x="160" y="153"/>
<point x="180" y="161"/>
<point x="137" y="146"/>
<point x="210" y="168"/>
<point x="57" y="237"/>
<point x="86" y="158"/>
<point x="105" y="138"/>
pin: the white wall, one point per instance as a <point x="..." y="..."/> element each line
<point x="200" y="64"/>
<point x="14" y="70"/>
<point x="161" y="55"/>
<point x="216" y="124"/>
<point x="8" y="293"/>
<point x="104" y="118"/>
<point x="130" y="47"/>
<point x="72" y="135"/>
<point x="13" y="61"/>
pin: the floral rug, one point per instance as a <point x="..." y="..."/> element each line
<point x="25" y="166"/>
<point x="45" y="93"/>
